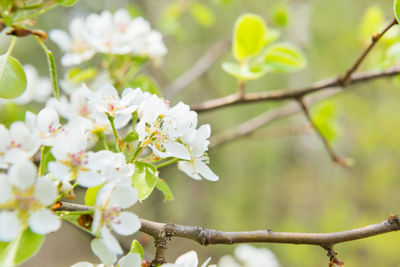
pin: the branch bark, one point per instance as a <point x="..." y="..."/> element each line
<point x="205" y="236"/>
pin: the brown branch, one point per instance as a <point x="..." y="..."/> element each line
<point x="205" y="236"/>
<point x="280" y="95"/>
<point x="335" y="158"/>
<point x="374" y="40"/>
<point x="266" y="118"/>
<point x="339" y="81"/>
<point x="200" y="67"/>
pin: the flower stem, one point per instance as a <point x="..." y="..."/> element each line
<point x="168" y="162"/>
<point x="117" y="138"/>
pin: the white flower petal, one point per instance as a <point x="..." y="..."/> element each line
<point x="188" y="168"/>
<point x="89" y="179"/>
<point x="9" y="225"/>
<point x="189" y="259"/>
<point x="177" y="150"/>
<point x="205" y="171"/>
<point x="130" y="260"/>
<point x="110" y="241"/>
<point x="44" y="222"/>
<point x="126" y="223"/>
<point x="123" y="196"/>
<point x="47" y="120"/>
<point x="45" y="191"/>
<point x="59" y="170"/>
<point x="5" y="189"/>
<point x="22" y="175"/>
<point x="103" y="252"/>
<point x="83" y="264"/>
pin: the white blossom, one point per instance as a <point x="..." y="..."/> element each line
<point x="189" y="259"/>
<point x="129" y="260"/>
<point x="250" y="256"/>
<point x="26" y="196"/>
<point x="109" y="214"/>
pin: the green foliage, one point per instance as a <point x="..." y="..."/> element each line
<point x="80" y="75"/>
<point x="248" y="36"/>
<point x="91" y="194"/>
<point x="244" y="71"/>
<point x="325" y="117"/>
<point x="144" y="179"/>
<point x="66" y="3"/>
<point x="136" y="247"/>
<point x="131" y="137"/>
<point x="284" y="57"/>
<point x="24" y="246"/>
<point x="371" y="22"/>
<point x="146" y="83"/>
<point x="202" y="14"/>
<point x="163" y="187"/>
<point x="396" y="8"/>
<point x="12" y="77"/>
<point x="280" y="15"/>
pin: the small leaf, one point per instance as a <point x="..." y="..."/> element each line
<point x="91" y="194"/>
<point x="45" y="158"/>
<point x="248" y="36"/>
<point x="202" y="14"/>
<point x="67" y="3"/>
<point x="325" y="117"/>
<point x="147" y="84"/>
<point x="79" y="75"/>
<point x="163" y="187"/>
<point x="136" y="247"/>
<point x="245" y="72"/>
<point x="12" y="77"/>
<point x="396" y="8"/>
<point x="284" y="57"/>
<point x="23" y="247"/>
<point x="280" y="14"/>
<point x="144" y="179"/>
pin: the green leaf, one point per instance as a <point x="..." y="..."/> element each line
<point x="80" y="75"/>
<point x="245" y="72"/>
<point x="91" y="194"/>
<point x="325" y="117"/>
<point x="396" y="8"/>
<point x="202" y="14"/>
<point x="136" y="247"/>
<point x="163" y="187"/>
<point x="248" y="36"/>
<point x="280" y="14"/>
<point x="45" y="158"/>
<point x="284" y="57"/>
<point x="271" y="36"/>
<point x="67" y="3"/>
<point x="144" y="179"/>
<point x="12" y="77"/>
<point x="24" y="246"/>
<point x="147" y="84"/>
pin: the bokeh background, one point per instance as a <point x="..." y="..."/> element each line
<point x="273" y="180"/>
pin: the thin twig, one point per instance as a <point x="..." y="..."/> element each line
<point x="374" y="40"/>
<point x="281" y="95"/>
<point x="335" y="158"/>
<point x="200" y="67"/>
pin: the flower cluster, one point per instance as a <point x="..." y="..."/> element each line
<point x="108" y="33"/>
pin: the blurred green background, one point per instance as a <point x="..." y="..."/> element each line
<point x="283" y="183"/>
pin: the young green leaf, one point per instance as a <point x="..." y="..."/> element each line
<point x="396" y="8"/>
<point x="284" y="57"/>
<point x="245" y="72"/>
<point x="163" y="187"/>
<point x="248" y="36"/>
<point x="12" y="77"/>
<point x="144" y="179"/>
<point x="325" y="117"/>
<point x="24" y="246"/>
<point x="91" y="194"/>
<point x="147" y="84"/>
<point x="67" y="3"/>
<point x="136" y="247"/>
<point x="80" y="75"/>
<point x="202" y="14"/>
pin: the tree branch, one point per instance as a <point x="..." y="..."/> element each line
<point x="339" y="81"/>
<point x="205" y="236"/>
<point x="281" y="95"/>
<point x="335" y="158"/>
<point x="357" y="63"/>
